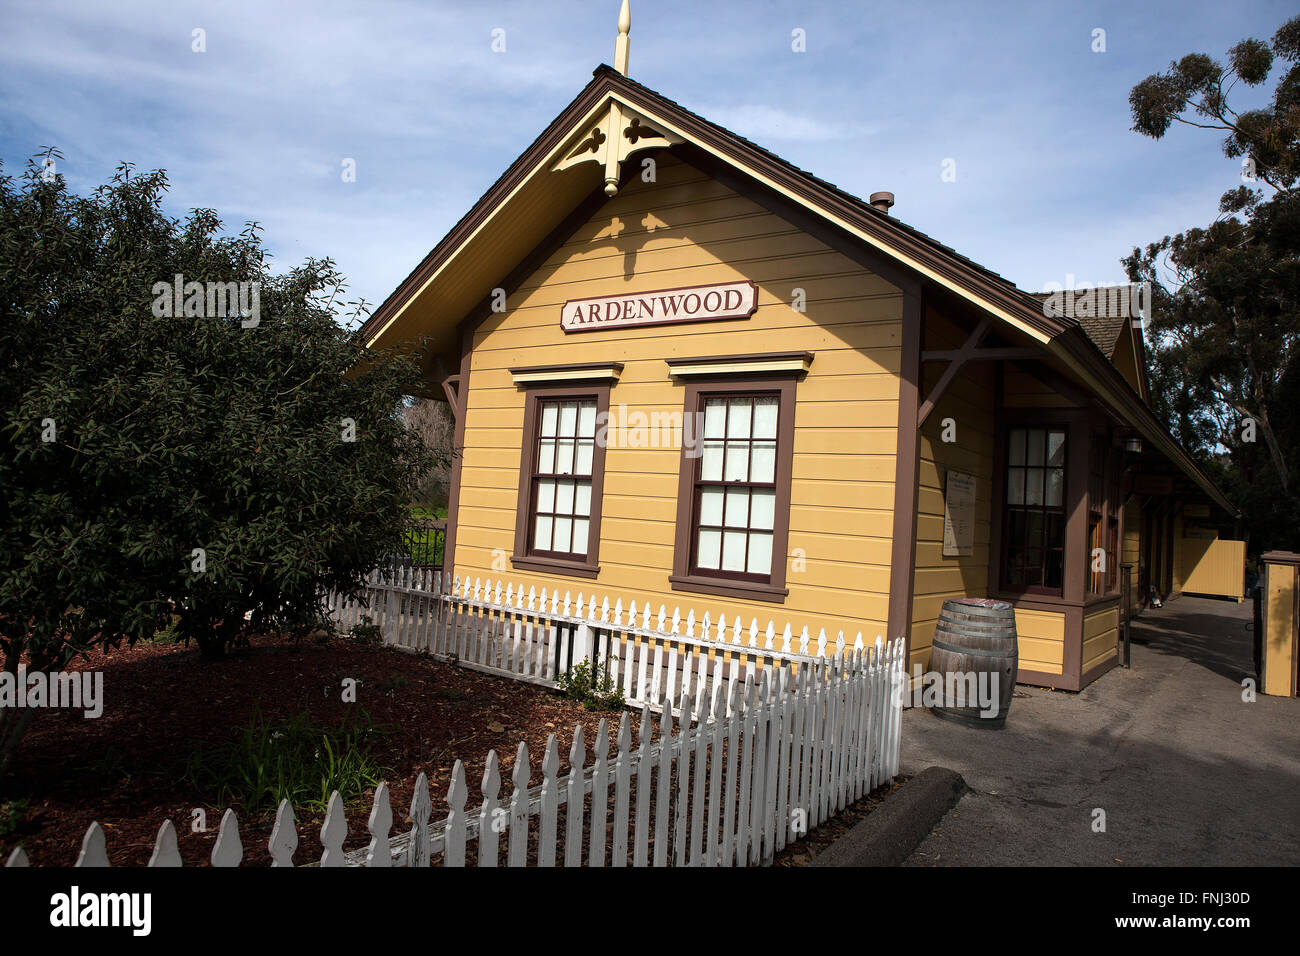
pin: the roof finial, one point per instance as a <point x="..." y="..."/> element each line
<point x="621" y="45"/>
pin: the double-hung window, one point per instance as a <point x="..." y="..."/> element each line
<point x="733" y="512"/>
<point x="560" y="482"/>
<point x="1033" y="534"/>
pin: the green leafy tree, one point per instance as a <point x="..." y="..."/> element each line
<point x="219" y="469"/>
<point x="1226" y="319"/>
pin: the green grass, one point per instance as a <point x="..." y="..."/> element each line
<point x="291" y="759"/>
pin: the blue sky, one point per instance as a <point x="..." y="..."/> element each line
<point x="1050" y="182"/>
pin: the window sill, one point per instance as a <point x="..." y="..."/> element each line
<point x="723" y="587"/>
<point x="577" y="569"/>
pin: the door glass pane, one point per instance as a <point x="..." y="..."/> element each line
<point x="1015" y="486"/>
<point x="1055" y="487"/>
<point x="1016" y="446"/>
<point x="1034" y="447"/>
<point x="1056" y="449"/>
<point x="1034" y="486"/>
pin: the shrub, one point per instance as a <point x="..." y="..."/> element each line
<point x="592" y="686"/>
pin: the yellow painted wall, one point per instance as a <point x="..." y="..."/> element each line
<point x="1042" y="640"/>
<point x="687" y="229"/>
<point x="1100" y="636"/>
<point x="969" y="403"/>
<point x="1215" y="567"/>
<point x="1131" y="548"/>
<point x="1279" y="597"/>
<point x="1022" y="390"/>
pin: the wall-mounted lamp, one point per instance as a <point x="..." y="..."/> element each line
<point x="1133" y="445"/>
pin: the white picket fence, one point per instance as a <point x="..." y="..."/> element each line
<point x="747" y="772"/>
<point x="652" y="658"/>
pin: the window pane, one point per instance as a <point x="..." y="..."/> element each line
<point x="737" y="462"/>
<point x="582" y="499"/>
<point x="715" y="411"/>
<point x="1055" y="487"/>
<point x="587" y="420"/>
<point x="1015" y="486"/>
<point x="550" y="412"/>
<point x="762" y="509"/>
<point x="583" y="464"/>
<point x="1016" y="447"/>
<point x="710" y="546"/>
<point x="764" y="467"/>
<point x="711" y="464"/>
<point x="765" y="413"/>
<point x="546" y="495"/>
<point x="542" y="538"/>
<point x="737" y="508"/>
<point x="1034" y="447"/>
<point x="733" y="550"/>
<point x="760" y="554"/>
<point x="1033" y="486"/>
<point x="1056" y="449"/>
<point x="580" y="536"/>
<point x="564" y="456"/>
<point x="738" y="417"/>
<point x="564" y="498"/>
<point x="711" y="506"/>
<point x="546" y="458"/>
<point x="563" y="533"/>
<point x="568" y="419"/>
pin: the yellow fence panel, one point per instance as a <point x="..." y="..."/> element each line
<point x="1217" y="567"/>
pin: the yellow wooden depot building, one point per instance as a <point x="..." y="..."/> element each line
<point x="683" y="370"/>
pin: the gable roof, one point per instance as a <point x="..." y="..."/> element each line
<point x="531" y="200"/>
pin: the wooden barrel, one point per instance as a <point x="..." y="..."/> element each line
<point x="975" y="636"/>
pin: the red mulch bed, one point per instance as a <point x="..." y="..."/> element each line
<point x="161" y="702"/>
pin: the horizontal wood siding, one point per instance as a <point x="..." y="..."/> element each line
<point x="684" y="230"/>
<point x="1100" y="636"/>
<point x="1042" y="640"/>
<point x="968" y="405"/>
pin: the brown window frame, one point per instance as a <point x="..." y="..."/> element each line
<point x="524" y="558"/>
<point x="1005" y="509"/>
<point x="685" y="576"/>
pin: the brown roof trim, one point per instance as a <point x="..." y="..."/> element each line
<point x="575" y="367"/>
<point x="743" y="357"/>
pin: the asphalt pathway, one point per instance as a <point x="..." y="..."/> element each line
<point x="1186" y="772"/>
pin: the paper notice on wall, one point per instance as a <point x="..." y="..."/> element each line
<point x="959" y="515"/>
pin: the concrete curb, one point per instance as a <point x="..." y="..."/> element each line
<point x="889" y="834"/>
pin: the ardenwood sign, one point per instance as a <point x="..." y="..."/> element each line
<point x="701" y="303"/>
